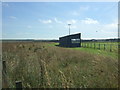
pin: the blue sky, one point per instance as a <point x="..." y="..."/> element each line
<point x="49" y="20"/>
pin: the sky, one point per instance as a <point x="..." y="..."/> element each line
<point x="49" y="20"/>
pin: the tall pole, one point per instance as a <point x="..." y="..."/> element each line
<point x="118" y="20"/>
<point x="118" y="30"/>
<point x="69" y="28"/>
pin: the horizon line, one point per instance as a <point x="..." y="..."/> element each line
<point x="51" y="38"/>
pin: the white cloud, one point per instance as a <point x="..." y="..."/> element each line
<point x="71" y="21"/>
<point x="79" y="11"/>
<point x="45" y="21"/>
<point x="57" y="21"/>
<point x="84" y="8"/>
<point x="29" y="26"/>
<point x="75" y="13"/>
<point x="89" y="21"/>
<point x="111" y="28"/>
<point x="50" y="26"/>
<point x="72" y="26"/>
<point x="13" y="17"/>
<point x="5" y="5"/>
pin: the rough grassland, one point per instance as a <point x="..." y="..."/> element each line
<point x="45" y="65"/>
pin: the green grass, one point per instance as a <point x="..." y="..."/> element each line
<point x="45" y="65"/>
<point x="98" y="52"/>
<point x="93" y="51"/>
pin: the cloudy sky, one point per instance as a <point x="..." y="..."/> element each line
<point x="49" y="20"/>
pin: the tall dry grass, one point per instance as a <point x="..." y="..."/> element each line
<point x="39" y="65"/>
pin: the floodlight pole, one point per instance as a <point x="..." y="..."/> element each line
<point x="69" y="28"/>
<point x="118" y="31"/>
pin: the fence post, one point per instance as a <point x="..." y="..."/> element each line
<point x="91" y="45"/>
<point x="4" y="76"/>
<point x="4" y="66"/>
<point x="94" y="45"/>
<point x="18" y="85"/>
<point x="99" y="45"/>
<point x="104" y="46"/>
<point x="110" y="47"/>
<point x="118" y="47"/>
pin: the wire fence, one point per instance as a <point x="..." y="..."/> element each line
<point x="112" y="47"/>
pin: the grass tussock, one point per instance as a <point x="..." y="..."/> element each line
<point x="39" y="65"/>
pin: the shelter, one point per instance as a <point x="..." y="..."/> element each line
<point x="73" y="40"/>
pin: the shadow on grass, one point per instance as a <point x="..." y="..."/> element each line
<point x="66" y="46"/>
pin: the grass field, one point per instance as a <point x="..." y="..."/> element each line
<point x="45" y="65"/>
<point x="100" y="52"/>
